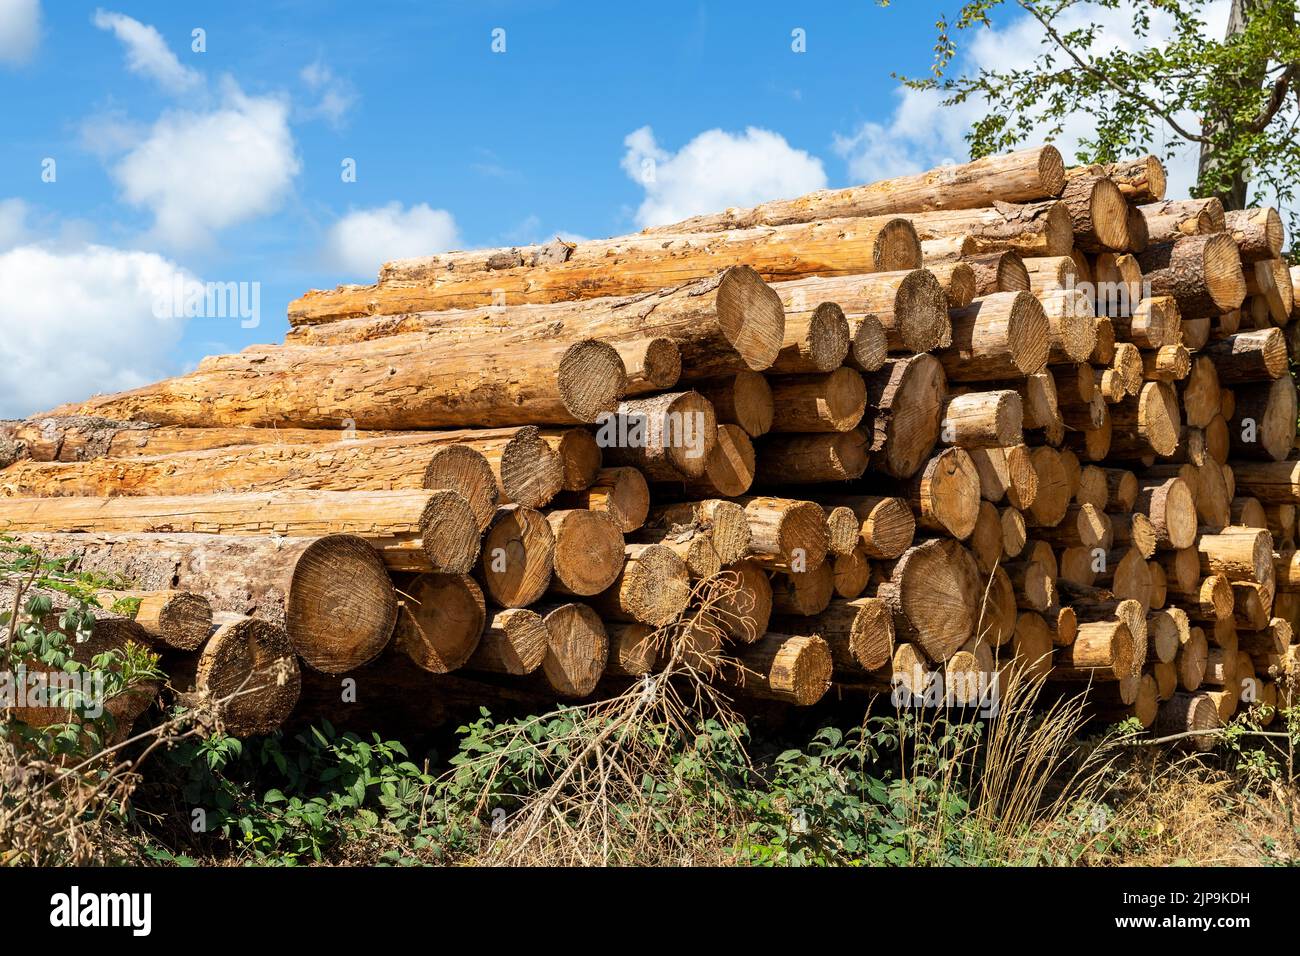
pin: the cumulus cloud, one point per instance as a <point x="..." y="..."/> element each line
<point x="80" y="321"/>
<point x="147" y="52"/>
<point x="20" y="30"/>
<point x="364" y="239"/>
<point x="335" y="97"/>
<point x="922" y="133"/>
<point x="13" y="223"/>
<point x="200" y="172"/>
<point x="715" y="170"/>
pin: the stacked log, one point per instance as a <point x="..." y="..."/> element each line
<point x="998" y="418"/>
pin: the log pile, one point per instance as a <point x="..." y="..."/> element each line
<point x="929" y="432"/>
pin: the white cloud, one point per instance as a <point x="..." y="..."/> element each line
<point x="13" y="222"/>
<point x="715" y="170"/>
<point x="199" y="172"/>
<point x="20" y="30"/>
<point x="922" y="133"/>
<point x="364" y="239"/>
<point x="335" y="96"/>
<point x="147" y="53"/>
<point x="80" y="321"/>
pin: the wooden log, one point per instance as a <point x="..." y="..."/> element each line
<point x="1021" y="176"/>
<point x="1148" y="424"/>
<point x="588" y="552"/>
<point x="729" y="468"/>
<point x="1171" y="508"/>
<point x="667" y="436"/>
<point x="177" y="619"/>
<point x="815" y="341"/>
<point x="1193" y="714"/>
<point x="1033" y="229"/>
<point x="1098" y="212"/>
<point x="910" y="305"/>
<point x="1170" y="363"/>
<point x="621" y="493"/>
<point x="1255" y="356"/>
<point x="1258" y="233"/>
<point x="834" y="402"/>
<point x="653" y="587"/>
<point x="983" y="420"/>
<point x="518" y="556"/>
<point x="1072" y="325"/>
<point x="1239" y="554"/>
<point x="956" y="277"/>
<point x="633" y="649"/>
<point x="744" y="607"/>
<point x="1102" y="650"/>
<point x="513" y="642"/>
<point x="791" y="668"/>
<point x="1263" y="421"/>
<point x="1268" y="283"/>
<point x="724" y="522"/>
<point x="905" y="401"/>
<point x="743" y="399"/>
<point x="577" y="649"/>
<point x="805" y="459"/>
<point x="1202" y="273"/>
<point x="804" y="593"/>
<point x="249" y="665"/>
<point x="1174" y="218"/>
<point x="307" y="585"/>
<point x="1007" y="473"/>
<point x="692" y="544"/>
<point x="999" y="336"/>
<point x="852" y="573"/>
<point x="1140" y="180"/>
<point x="932" y="591"/>
<point x="1051" y="273"/>
<point x="786" y="533"/>
<point x="440" y="619"/>
<point x="1052" y="490"/>
<point x="998" y="272"/>
<point x="945" y="494"/>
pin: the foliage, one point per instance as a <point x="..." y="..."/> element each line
<point x="1230" y="97"/>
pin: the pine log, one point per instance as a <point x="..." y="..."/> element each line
<point x="996" y="337"/>
<point x="983" y="420"/>
<point x="513" y="642"/>
<point x="905" y="401"/>
<point x="1202" y="273"/>
<point x="1174" y="218"/>
<point x="178" y="619"/>
<point x="933" y="592"/>
<point x="743" y="399"/>
<point x="1021" y="176"/>
<point x="1072" y="325"/>
<point x="667" y="436"/>
<point x="945" y="494"/>
<point x="786" y="534"/>
<point x="1098" y="212"/>
<point x="745" y="605"/>
<point x="816" y="340"/>
<point x="1140" y="180"/>
<point x="621" y="493"/>
<point x="331" y="594"/>
<point x="248" y="664"/>
<point x="834" y="402"/>
<point x="804" y="459"/>
<point x="795" y="669"/>
<point x="577" y="648"/>
<point x="1263" y="420"/>
<point x="910" y="305"/>
<point x="440" y="619"/>
<point x="653" y="587"/>
<point x="1258" y="233"/>
<point x="588" y="553"/>
<point x="1034" y="229"/>
<point x="517" y="557"/>
<point x="1148" y="424"/>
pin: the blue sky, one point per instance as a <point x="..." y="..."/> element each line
<point x="224" y="165"/>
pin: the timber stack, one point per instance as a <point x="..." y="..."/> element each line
<point x="1000" y="418"/>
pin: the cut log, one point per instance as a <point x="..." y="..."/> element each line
<point x="178" y="619"/>
<point x="999" y="336"/>
<point x="1072" y="325"/>
<point x="723" y="521"/>
<point x="621" y="493"/>
<point x="905" y="401"/>
<point x="803" y="593"/>
<point x="819" y="403"/>
<point x="910" y="305"/>
<point x="1102" y="650"/>
<point x="1202" y="273"/>
<point x="886" y="524"/>
<point x="730" y="467"/>
<point x="745" y="605"/>
<point x="1148" y="424"/>
<point x="1171" y="508"/>
<point x="1239" y="554"/>
<point x="518" y="556"/>
<point x="805" y="459"/>
<point x="1021" y="176"/>
<point x="1140" y="180"/>
<point x="633" y="649"/>
<point x="1098" y="212"/>
<point x="588" y="553"/>
<point x="1258" y="233"/>
<point x="743" y="399"/>
<point x="249" y="665"/>
<point x="945" y="494"/>
<point x="577" y="648"/>
<point x="1051" y="274"/>
<point x="795" y="669"/>
<point x="933" y="592"/>
<point x="957" y="279"/>
<point x="1174" y="218"/>
<point x="998" y="272"/>
<point x="1250" y="356"/>
<point x="1034" y="229"/>
<point x="331" y="594"/>
<point x="1195" y="715"/>
<point x="667" y="436"/>
<point x="1263" y="421"/>
<point x="983" y="420"/>
<point x="815" y="341"/>
<point x="786" y="534"/>
<point x="440" y="619"/>
<point x="1268" y="283"/>
<point x="513" y="642"/>
<point x="653" y="587"/>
